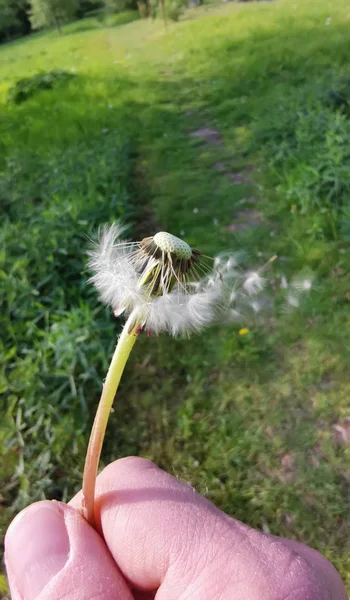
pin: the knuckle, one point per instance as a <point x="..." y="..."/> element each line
<point x="301" y="581"/>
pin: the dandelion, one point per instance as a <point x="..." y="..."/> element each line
<point x="161" y="284"/>
<point x="157" y="282"/>
<point x="243" y="331"/>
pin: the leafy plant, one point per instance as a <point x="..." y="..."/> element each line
<point x="29" y="86"/>
<point x="308" y="151"/>
<point x="53" y="344"/>
<point x="122" y="18"/>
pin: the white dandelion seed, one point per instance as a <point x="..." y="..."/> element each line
<point x="302" y="285"/>
<point x="292" y="301"/>
<point x="284" y="283"/>
<point x="229" y="263"/>
<point x="254" y="283"/>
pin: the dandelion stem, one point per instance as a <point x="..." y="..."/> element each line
<point x="121" y="354"/>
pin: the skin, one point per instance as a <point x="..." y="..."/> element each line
<point x="157" y="539"/>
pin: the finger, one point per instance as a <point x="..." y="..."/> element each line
<point x="52" y="553"/>
<point x="327" y="573"/>
<point x="164" y="535"/>
<point x="161" y="533"/>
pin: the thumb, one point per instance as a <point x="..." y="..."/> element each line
<point x="51" y="553"/>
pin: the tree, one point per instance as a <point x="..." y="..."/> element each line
<point x="14" y="19"/>
<point x="8" y="16"/>
<point x="46" y="13"/>
<point x="115" y="6"/>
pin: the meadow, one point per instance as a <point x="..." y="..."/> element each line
<point x="231" y="129"/>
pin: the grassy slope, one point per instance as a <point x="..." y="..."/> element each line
<point x="247" y="421"/>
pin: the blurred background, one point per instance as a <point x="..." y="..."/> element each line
<point x="223" y="123"/>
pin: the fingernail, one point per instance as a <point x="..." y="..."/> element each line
<point x="36" y="547"/>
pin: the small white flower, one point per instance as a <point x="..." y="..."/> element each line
<point x="328" y="21"/>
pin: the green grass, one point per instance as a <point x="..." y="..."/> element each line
<point x="248" y="420"/>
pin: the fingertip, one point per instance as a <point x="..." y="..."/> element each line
<point x="36" y="547"/>
<point x="52" y="552"/>
<point x="126" y="470"/>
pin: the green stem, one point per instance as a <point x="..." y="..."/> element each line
<point x="115" y="371"/>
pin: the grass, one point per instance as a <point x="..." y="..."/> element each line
<point x="253" y="422"/>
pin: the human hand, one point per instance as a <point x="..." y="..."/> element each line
<point x="158" y="539"/>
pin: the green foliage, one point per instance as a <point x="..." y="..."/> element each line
<point x="53" y="345"/>
<point x="29" y="86"/>
<point x="308" y="150"/>
<point x="122" y="18"/>
<point x="48" y="13"/>
<point x="103" y="20"/>
<point x="83" y="25"/>
<point x="14" y="20"/>
<point x="170" y="9"/>
<point x="117" y="6"/>
<point x="174" y="9"/>
<point x="89" y="8"/>
<point x="8" y="14"/>
<point x="339" y="95"/>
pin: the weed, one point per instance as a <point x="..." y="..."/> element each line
<point x="29" y="86"/>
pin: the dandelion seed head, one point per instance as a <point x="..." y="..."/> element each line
<point x="155" y="280"/>
<point x="166" y="242"/>
<point x="165" y="285"/>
